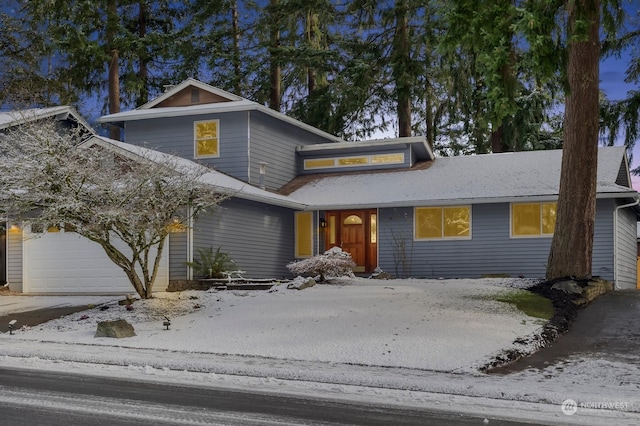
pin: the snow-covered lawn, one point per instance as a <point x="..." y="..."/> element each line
<point x="407" y="342"/>
<point x="444" y="325"/>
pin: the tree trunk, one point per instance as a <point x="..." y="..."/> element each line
<point x="236" y="48"/>
<point x="572" y="245"/>
<point x="143" y="72"/>
<point x="497" y="140"/>
<point x="401" y="64"/>
<point x="312" y="40"/>
<point x="274" y="88"/>
<point x="114" y="72"/>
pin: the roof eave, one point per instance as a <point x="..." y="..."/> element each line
<point x="462" y="201"/>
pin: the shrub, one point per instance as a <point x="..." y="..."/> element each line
<point x="211" y="264"/>
<point x="332" y="263"/>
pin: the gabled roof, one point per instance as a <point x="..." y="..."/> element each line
<point x="12" y="118"/>
<point x="233" y="103"/>
<point x="490" y="178"/>
<point x="225" y="184"/>
<point x="191" y="82"/>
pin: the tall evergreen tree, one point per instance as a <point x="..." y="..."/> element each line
<point x="572" y="243"/>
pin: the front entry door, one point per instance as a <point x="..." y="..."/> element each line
<point x="355" y="231"/>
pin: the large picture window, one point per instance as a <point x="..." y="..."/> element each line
<point x="533" y="219"/>
<point x="207" y="138"/>
<point x="442" y="222"/>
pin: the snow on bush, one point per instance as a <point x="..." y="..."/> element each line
<point x="330" y="264"/>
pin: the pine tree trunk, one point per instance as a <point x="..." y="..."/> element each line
<point x="274" y="89"/>
<point x="236" y="48"/>
<point x="114" y="72"/>
<point x="143" y="72"/>
<point x="401" y="64"/>
<point x="572" y="245"/>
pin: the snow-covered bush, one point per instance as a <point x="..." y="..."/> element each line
<point x="330" y="264"/>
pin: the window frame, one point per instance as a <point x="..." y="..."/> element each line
<point x="297" y="217"/>
<point x="443" y="237"/>
<point x="195" y="139"/>
<point x="540" y="204"/>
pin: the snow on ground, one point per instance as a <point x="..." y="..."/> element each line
<point x="408" y="342"/>
<point x="24" y="303"/>
<point x="443" y="325"/>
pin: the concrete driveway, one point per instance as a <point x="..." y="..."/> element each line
<point x="608" y="328"/>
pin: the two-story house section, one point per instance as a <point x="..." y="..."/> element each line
<point x="235" y="136"/>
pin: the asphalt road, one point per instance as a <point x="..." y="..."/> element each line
<point x="42" y="398"/>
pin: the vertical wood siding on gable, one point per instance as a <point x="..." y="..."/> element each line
<point x="258" y="237"/>
<point x="274" y="142"/>
<point x="174" y="135"/>
<point x="14" y="260"/>
<point x="627" y="249"/>
<point x="623" y="176"/>
<point x="490" y="251"/>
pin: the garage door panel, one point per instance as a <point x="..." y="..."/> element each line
<point x="60" y="262"/>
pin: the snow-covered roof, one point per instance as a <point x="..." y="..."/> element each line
<point x="11" y="118"/>
<point x="225" y="184"/>
<point x="233" y="104"/>
<point x="460" y="180"/>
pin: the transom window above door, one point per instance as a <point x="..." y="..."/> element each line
<point x="206" y="138"/>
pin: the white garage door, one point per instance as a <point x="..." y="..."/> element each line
<point x="59" y="262"/>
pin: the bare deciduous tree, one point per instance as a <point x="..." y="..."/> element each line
<point x="97" y="189"/>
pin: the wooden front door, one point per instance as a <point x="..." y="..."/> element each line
<point x="356" y="232"/>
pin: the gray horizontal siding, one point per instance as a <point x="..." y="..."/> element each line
<point x="274" y="142"/>
<point x="627" y="249"/>
<point x="489" y="251"/>
<point x="174" y="135"/>
<point x="258" y="237"/>
<point x="14" y="260"/>
<point x="178" y="256"/>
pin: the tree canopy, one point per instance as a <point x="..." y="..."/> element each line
<point x="473" y="76"/>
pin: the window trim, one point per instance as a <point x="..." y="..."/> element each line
<point x="443" y="237"/>
<point x="541" y="234"/>
<point x="195" y="138"/>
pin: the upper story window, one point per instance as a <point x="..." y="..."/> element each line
<point x="206" y="138"/>
<point x="533" y="219"/>
<point x="442" y="222"/>
<point x="364" y="160"/>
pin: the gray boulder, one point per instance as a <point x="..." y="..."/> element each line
<point x="569" y="287"/>
<point x="118" y="329"/>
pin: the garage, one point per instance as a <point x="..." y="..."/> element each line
<point x="66" y="263"/>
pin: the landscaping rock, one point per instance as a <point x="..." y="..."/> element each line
<point x="569" y="287"/>
<point x="118" y="329"/>
<point x="300" y="283"/>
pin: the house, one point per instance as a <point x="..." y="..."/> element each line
<point x="298" y="191"/>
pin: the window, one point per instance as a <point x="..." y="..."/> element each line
<point x="319" y="163"/>
<point x="365" y="160"/>
<point x="353" y="161"/>
<point x="207" y="135"/>
<point x="533" y="219"/>
<point x="442" y="222"/>
<point x="304" y="234"/>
